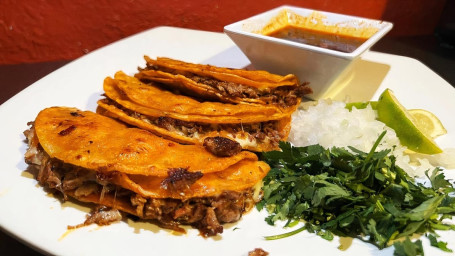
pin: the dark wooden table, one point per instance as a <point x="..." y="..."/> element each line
<point x="433" y="52"/>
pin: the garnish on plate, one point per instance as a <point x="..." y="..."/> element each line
<point x="416" y="128"/>
<point x="358" y="194"/>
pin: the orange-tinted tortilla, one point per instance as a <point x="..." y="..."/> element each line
<point x="99" y="143"/>
<point x="153" y="101"/>
<point x="238" y="177"/>
<point x="244" y="174"/>
<point x="179" y="75"/>
<point x="284" y="126"/>
<point x="255" y="78"/>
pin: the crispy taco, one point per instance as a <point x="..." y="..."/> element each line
<point x="186" y="120"/>
<point x="96" y="159"/>
<point x="225" y="84"/>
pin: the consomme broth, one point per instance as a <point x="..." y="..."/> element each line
<point x="342" y="43"/>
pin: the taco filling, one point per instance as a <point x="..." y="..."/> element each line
<point x="224" y="84"/>
<point x="247" y="134"/>
<point x="186" y="120"/>
<point x="71" y="152"/>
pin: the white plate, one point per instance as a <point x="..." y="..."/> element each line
<point x="31" y="214"/>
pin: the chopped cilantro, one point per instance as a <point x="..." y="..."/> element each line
<point x="357" y="194"/>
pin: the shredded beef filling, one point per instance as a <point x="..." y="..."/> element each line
<point x="221" y="146"/>
<point x="102" y="216"/>
<point x="256" y="131"/>
<point x="284" y="96"/>
<point x="180" y="179"/>
<point x="205" y="213"/>
<point x="258" y="252"/>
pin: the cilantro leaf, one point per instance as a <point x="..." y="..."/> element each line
<point x="408" y="248"/>
<point x="347" y="192"/>
<point x="439" y="244"/>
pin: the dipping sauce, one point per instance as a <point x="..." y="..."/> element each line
<point x="322" y="39"/>
<point x="314" y="30"/>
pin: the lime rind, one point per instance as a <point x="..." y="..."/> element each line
<point x="394" y="115"/>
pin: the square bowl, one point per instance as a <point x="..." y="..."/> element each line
<point x="319" y="64"/>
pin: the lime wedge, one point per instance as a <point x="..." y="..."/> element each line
<point x="410" y="133"/>
<point x="428" y="122"/>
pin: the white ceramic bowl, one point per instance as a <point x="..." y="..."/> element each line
<point x="320" y="66"/>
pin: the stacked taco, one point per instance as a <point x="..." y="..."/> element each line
<point x="225" y="84"/>
<point x="96" y="159"/>
<point x="170" y="144"/>
<point x="200" y="104"/>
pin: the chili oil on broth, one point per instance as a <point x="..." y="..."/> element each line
<point x="337" y="42"/>
<point x="316" y="30"/>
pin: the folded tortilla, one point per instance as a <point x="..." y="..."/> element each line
<point x="186" y="120"/>
<point x="225" y="84"/>
<point x="96" y="159"/>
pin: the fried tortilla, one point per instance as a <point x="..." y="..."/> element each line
<point x="186" y="120"/>
<point x="225" y="84"/>
<point x="93" y="158"/>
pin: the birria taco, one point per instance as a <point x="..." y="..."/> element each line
<point x="96" y="159"/>
<point x="225" y="84"/>
<point x="187" y="120"/>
